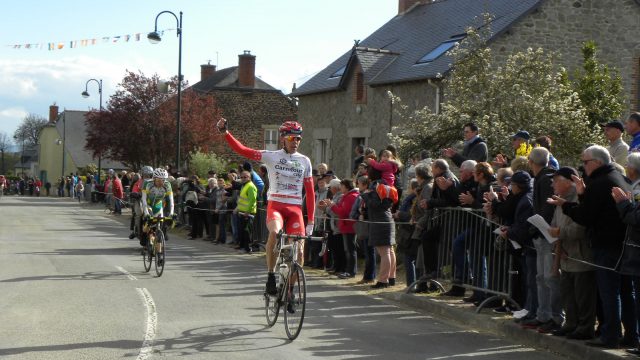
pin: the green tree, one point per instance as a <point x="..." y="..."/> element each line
<point x="201" y="162"/>
<point x="527" y="92"/>
<point x="599" y="88"/>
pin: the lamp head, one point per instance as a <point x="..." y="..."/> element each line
<point x="85" y="94"/>
<point x="154" y="37"/>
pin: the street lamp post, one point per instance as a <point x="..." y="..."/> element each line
<point x="154" y="38"/>
<point x="85" y="94"/>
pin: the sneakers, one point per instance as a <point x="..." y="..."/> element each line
<point x="520" y="313"/>
<point x="345" y="275"/>
<point x="548" y="327"/>
<point x="132" y="236"/>
<point x="271" y="284"/>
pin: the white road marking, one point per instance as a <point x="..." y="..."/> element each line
<point x="122" y="270"/>
<point x="485" y="353"/>
<point x="152" y="323"/>
<point x="386" y="313"/>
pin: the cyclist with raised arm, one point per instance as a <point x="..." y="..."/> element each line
<point x="289" y="172"/>
<point x="157" y="196"/>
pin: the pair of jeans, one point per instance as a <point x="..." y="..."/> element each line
<point x="350" y="253"/>
<point x="410" y="268"/>
<point x="369" y="259"/>
<point x="548" y="285"/>
<point x="459" y="249"/>
<point x="609" y="288"/>
<point x="222" y="230"/>
<point x="234" y="227"/>
<point x="530" y="273"/>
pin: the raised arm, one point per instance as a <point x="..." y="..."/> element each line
<point x="236" y="145"/>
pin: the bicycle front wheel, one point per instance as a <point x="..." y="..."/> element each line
<point x="271" y="308"/>
<point x="160" y="252"/>
<point x="147" y="257"/>
<point x="295" y="302"/>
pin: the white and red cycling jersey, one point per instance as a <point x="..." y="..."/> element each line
<point x="288" y="174"/>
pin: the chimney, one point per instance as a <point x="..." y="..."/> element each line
<point x="206" y="70"/>
<point x="246" y="69"/>
<point x="53" y="113"/>
<point x="404" y="5"/>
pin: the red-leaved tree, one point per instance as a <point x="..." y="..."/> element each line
<point x="138" y="126"/>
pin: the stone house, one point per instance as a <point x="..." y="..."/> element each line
<point x="61" y="145"/>
<point x="346" y="103"/>
<point x="254" y="109"/>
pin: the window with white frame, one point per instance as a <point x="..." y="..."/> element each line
<point x="322" y="151"/>
<point x="271" y="139"/>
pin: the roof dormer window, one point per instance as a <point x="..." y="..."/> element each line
<point x="339" y="72"/>
<point x="440" y="49"/>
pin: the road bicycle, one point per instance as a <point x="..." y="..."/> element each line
<point x="291" y="284"/>
<point x="155" y="233"/>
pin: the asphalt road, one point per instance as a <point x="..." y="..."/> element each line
<point x="72" y="286"/>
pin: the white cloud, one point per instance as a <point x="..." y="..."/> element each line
<point x="13" y="113"/>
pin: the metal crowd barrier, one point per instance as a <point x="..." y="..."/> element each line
<point x="461" y="248"/>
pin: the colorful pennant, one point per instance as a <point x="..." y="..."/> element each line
<point x="72" y="44"/>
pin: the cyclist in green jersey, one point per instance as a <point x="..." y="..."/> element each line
<point x="157" y="196"/>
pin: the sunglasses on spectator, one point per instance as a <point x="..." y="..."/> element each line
<point x="293" y="138"/>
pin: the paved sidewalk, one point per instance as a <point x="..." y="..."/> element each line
<point x="502" y="325"/>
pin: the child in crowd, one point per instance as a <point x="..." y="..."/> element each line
<point x="387" y="165"/>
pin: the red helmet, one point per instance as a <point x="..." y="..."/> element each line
<point x="290" y="128"/>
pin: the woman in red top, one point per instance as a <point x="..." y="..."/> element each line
<point x="342" y="209"/>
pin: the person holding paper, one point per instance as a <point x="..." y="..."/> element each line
<point x="549" y="315"/>
<point x="578" y="279"/>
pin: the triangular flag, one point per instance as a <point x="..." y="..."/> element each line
<point x="116" y="38"/>
<point x="60" y="45"/>
<point x="127" y="37"/>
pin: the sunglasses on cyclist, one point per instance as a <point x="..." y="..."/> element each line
<point x="293" y="138"/>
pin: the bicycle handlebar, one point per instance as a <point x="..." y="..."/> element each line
<point x="282" y="235"/>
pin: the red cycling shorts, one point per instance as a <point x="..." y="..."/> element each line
<point x="288" y="214"/>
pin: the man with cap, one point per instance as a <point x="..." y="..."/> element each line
<point x="521" y="147"/>
<point x="618" y="149"/>
<point x="573" y="253"/>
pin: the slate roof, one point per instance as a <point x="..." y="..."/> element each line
<point x="75" y="135"/>
<point x="227" y="78"/>
<point x="410" y="36"/>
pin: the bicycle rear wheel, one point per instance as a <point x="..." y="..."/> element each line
<point x="160" y="251"/>
<point x="295" y="302"/>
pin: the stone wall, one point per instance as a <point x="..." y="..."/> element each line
<point x="247" y="113"/>
<point x="335" y="116"/>
<point x="564" y="25"/>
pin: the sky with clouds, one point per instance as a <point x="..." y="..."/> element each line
<point x="292" y="40"/>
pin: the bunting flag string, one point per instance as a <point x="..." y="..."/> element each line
<point x="73" y="44"/>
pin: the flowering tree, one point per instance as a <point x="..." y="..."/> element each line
<point x="526" y="92"/>
<point x="138" y="127"/>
